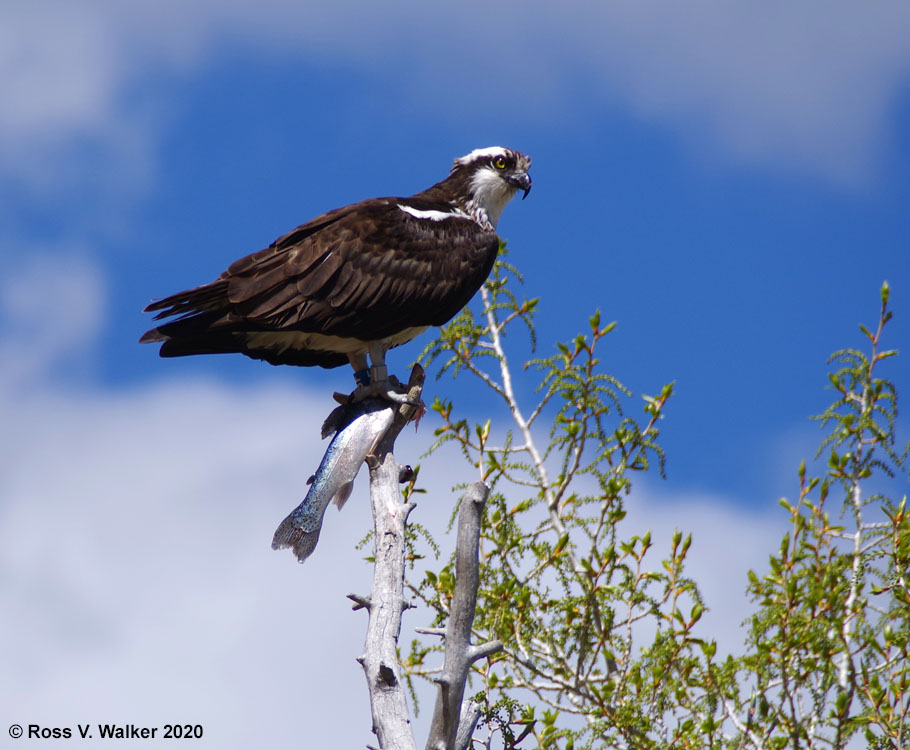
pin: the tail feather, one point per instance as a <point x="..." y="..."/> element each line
<point x="290" y="535"/>
<point x="206" y="298"/>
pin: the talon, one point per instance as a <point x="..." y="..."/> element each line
<point x="400" y="398"/>
<point x="389" y="389"/>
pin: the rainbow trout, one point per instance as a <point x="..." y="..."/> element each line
<point x="360" y="427"/>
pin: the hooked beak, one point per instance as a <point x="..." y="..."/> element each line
<point x="521" y="181"/>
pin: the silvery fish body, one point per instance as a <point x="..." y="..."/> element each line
<point x="364" y="424"/>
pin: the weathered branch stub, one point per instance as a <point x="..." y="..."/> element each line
<point x="453" y="721"/>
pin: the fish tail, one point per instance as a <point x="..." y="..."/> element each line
<point x="291" y="535"/>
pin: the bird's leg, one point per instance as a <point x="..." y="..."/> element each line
<point x="379" y="373"/>
<point x="358" y="362"/>
<point x="361" y="370"/>
<point x="377" y="381"/>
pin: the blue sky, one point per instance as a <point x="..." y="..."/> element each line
<point x="728" y="183"/>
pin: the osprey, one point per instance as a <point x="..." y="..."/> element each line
<point x="355" y="281"/>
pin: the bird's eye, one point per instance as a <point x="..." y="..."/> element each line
<point x="499" y="162"/>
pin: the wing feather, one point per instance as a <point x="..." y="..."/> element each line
<point x="367" y="271"/>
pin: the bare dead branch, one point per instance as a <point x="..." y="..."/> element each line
<point x="431" y="631"/>
<point x="452" y="725"/>
<point x="360" y="602"/>
<point x="470" y="714"/>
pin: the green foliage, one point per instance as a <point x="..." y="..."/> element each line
<point x="602" y="636"/>
<point x="571" y="598"/>
<point x="829" y="640"/>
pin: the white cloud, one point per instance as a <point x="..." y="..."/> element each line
<point x="138" y="584"/>
<point x="136" y="573"/>
<point x="811" y="82"/>
<point x="727" y="541"/>
<point x="137" y="579"/>
<point x="807" y="87"/>
<point x="51" y="307"/>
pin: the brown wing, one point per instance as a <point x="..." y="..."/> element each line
<point x="366" y="272"/>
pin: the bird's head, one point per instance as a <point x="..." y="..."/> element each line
<point x="490" y="177"/>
